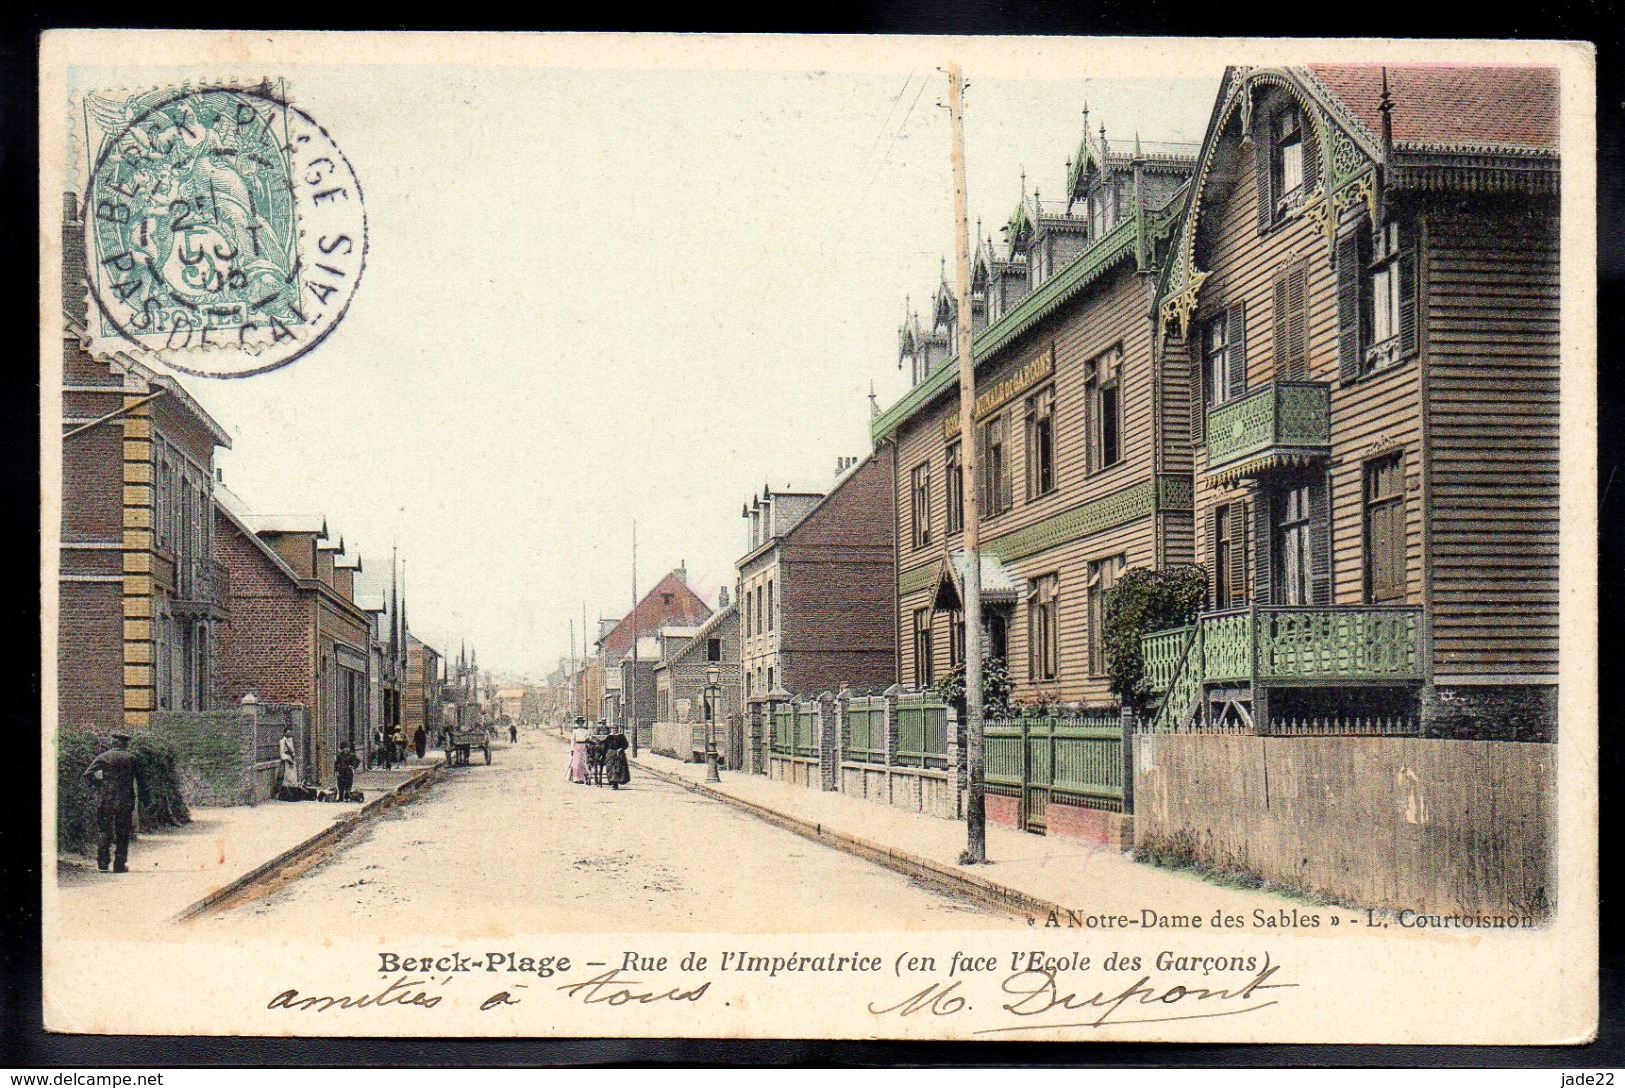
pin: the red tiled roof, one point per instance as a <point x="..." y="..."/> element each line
<point x="1479" y="106"/>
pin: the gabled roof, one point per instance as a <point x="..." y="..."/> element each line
<point x="1451" y="107"/>
<point x="1098" y="152"/>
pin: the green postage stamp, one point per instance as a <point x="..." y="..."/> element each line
<point x="224" y="229"/>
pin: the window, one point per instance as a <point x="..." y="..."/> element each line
<point x="1228" y="533"/>
<point x="1101" y="385"/>
<point x="1385" y="529"/>
<point x="1286" y="159"/>
<point x="1292" y="322"/>
<point x="995" y="482"/>
<point x="1376" y="299"/>
<point x="1224" y="357"/>
<point x="920" y="505"/>
<point x="922" y="648"/>
<point x="770" y="604"/>
<point x="956" y="638"/>
<point x="1293" y="559"/>
<point x="1102" y="576"/>
<point x="713" y="649"/>
<point x="954" y="489"/>
<point x="1043" y="638"/>
<point x="1041" y="443"/>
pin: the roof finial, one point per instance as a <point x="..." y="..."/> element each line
<point x="1103" y="148"/>
<point x="1023" y="183"/>
<point x="1138" y="155"/>
<point x="874" y="402"/>
<point x="1385" y="105"/>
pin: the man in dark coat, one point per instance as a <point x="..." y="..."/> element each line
<point x="344" y="765"/>
<point x="112" y="775"/>
<point x="420" y="741"/>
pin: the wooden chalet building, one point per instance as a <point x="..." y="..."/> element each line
<point x="1363" y="302"/>
<point x="1083" y="452"/>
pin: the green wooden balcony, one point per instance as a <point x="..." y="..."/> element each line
<point x="1281" y="645"/>
<point x="1281" y="420"/>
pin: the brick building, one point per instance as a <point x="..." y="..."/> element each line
<point x="422" y="707"/>
<point x="141" y="597"/>
<point x="297" y="633"/>
<point x="669" y="603"/>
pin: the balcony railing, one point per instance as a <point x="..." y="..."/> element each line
<point x="1288" y="417"/>
<point x="204" y="588"/>
<point x="1280" y="644"/>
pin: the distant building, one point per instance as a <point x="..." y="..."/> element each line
<point x="297" y="632"/>
<point x="670" y="603"/>
<point x="681" y="679"/>
<point x="422" y="706"/>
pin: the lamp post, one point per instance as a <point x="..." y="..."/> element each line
<point x="713" y="692"/>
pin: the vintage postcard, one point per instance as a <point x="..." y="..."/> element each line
<point x="776" y="537"/>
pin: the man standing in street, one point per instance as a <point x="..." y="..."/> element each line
<point x="112" y="774"/>
<point x="344" y="765"/>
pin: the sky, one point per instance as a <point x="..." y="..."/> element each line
<point x="604" y="288"/>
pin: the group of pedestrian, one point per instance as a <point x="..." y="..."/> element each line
<point x="390" y="746"/>
<point x="598" y="759"/>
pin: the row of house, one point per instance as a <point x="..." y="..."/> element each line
<point x="176" y="600"/>
<point x="1313" y="360"/>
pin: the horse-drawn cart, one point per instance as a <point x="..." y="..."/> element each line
<point x="465" y="732"/>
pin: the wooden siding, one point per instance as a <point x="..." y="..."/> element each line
<point x="1377" y="415"/>
<point x="1493" y="380"/>
<point x="1113" y="314"/>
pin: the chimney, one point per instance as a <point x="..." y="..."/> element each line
<point x="682" y="571"/>
<point x="70" y="209"/>
<point x="722" y="599"/>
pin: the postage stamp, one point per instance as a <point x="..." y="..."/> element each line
<point x="766" y="557"/>
<point x="225" y="230"/>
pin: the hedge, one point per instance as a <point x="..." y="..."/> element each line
<point x="160" y="802"/>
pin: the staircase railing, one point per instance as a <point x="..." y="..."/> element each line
<point x="1185" y="685"/>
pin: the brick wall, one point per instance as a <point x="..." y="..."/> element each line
<point x="90" y="655"/>
<point x="266" y="646"/>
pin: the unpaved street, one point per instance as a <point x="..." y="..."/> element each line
<point x="515" y="848"/>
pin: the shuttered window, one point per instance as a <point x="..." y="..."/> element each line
<point x="994" y="472"/>
<point x="1224" y="356"/>
<point x="1293" y="557"/>
<point x="1103" y="397"/>
<point x="923" y="671"/>
<point x="1385" y="528"/>
<point x="1227" y="532"/>
<point x="954" y="489"/>
<point x="920" y="505"/>
<point x="1376" y="299"/>
<point x="1041" y="443"/>
<point x="1292" y="321"/>
<point x="1102" y="576"/>
<point x="956" y="638"/>
<point x="1043" y="632"/>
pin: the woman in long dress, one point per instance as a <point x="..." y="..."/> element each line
<point x="616" y="772"/>
<point x="578" y="751"/>
<point x="288" y="757"/>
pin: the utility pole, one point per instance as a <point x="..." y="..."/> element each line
<point x="976" y="784"/>
<point x="632" y="676"/>
<point x="574" y="681"/>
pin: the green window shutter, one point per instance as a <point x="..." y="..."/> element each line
<point x="1264" y="535"/>
<point x="1198" y="397"/>
<point x="1320" y="541"/>
<point x="1236" y="348"/>
<point x="1263" y="134"/>
<point x="1407" y="302"/>
<point x="1238" y="554"/>
<point x="1212" y="558"/>
<point x="1350" y="277"/>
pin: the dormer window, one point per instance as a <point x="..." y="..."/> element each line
<point x="1286" y="158"/>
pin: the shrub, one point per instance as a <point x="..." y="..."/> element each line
<point x="157" y="783"/>
<point x="995" y="687"/>
<point x="1140" y="603"/>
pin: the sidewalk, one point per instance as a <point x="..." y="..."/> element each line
<point x="173" y="869"/>
<point x="1032" y="874"/>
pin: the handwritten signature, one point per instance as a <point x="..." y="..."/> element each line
<point x="613" y="988"/>
<point x="1037" y="993"/>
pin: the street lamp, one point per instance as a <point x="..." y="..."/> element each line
<point x="713" y="692"/>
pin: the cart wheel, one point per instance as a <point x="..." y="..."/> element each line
<point x="487" y="755"/>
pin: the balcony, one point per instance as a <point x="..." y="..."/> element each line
<point x="1282" y="423"/>
<point x="1286" y="646"/>
<point x="204" y="589"/>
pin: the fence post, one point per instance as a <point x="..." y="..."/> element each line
<point x="888" y="732"/>
<point x="1126" y="721"/>
<point x="828" y="742"/>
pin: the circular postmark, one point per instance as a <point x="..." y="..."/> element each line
<point x="225" y="231"/>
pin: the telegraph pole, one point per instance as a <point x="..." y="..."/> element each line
<point x="631" y="693"/>
<point x="976" y="784"/>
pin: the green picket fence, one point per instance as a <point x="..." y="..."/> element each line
<point x="863" y="739"/>
<point x="922" y="732"/>
<point x="1039" y="758"/>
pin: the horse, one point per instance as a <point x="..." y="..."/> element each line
<point x="595" y="761"/>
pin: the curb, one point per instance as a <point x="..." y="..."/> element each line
<point x="335" y="831"/>
<point x="912" y="865"/>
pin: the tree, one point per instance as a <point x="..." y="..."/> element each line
<point x="1142" y="602"/>
<point x="995" y="686"/>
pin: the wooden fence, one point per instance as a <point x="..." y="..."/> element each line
<point x="1076" y="760"/>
